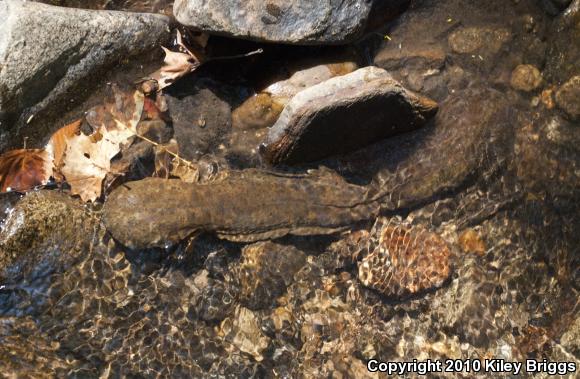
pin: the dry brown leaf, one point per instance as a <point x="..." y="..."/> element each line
<point x="164" y="155"/>
<point x="87" y="159"/>
<point x="58" y="143"/>
<point x="185" y="171"/>
<point x="176" y="65"/>
<point x="24" y="169"/>
<point x="87" y="162"/>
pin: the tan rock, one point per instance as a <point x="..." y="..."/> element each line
<point x="471" y="242"/>
<point x="332" y="117"/>
<point x="526" y="77"/>
<point x="568" y="97"/>
<point x="243" y="330"/>
<point x="478" y="40"/>
<point x="263" y="109"/>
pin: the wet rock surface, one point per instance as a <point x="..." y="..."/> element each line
<point x="45" y="51"/>
<point x="526" y="78"/>
<point x="563" y="49"/>
<point x="201" y="121"/>
<point x="568" y="97"/>
<point x="296" y="22"/>
<point x="326" y="119"/>
<point x="45" y="232"/>
<point x="262" y="110"/>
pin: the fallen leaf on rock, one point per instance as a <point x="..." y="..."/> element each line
<point x="177" y="65"/>
<point x="58" y="143"/>
<point x="87" y="159"/>
<point x="155" y="110"/>
<point x="24" y="169"/>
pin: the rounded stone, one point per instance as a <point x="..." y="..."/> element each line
<point x="568" y="97"/>
<point x="526" y="77"/>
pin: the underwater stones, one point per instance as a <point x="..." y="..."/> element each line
<point x="568" y="97"/>
<point x="46" y="50"/>
<point x="526" y="78"/>
<point x="428" y="57"/>
<point x="46" y="232"/>
<point x="343" y="114"/>
<point x="244" y="332"/>
<point x="295" y="22"/>
<point x="485" y="40"/>
<point x="471" y="242"/>
<point x="472" y="127"/>
<point x="469" y="307"/>
<point x="263" y="109"/>
<point x="27" y="352"/>
<point x="538" y="146"/>
<point x="404" y="260"/>
<point x="259" y="111"/>
<point x="215" y="301"/>
<point x="265" y="271"/>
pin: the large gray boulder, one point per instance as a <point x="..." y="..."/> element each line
<point x="46" y="50"/>
<point x="343" y="114"/>
<point x="285" y="21"/>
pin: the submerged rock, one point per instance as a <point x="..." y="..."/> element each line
<point x="526" y="77"/>
<point x="398" y="260"/>
<point x="243" y="330"/>
<point x="46" y="50"/>
<point x="266" y="270"/>
<point x="568" y="97"/>
<point x="294" y="22"/>
<point x="470" y="139"/>
<point x="343" y="114"/>
<point x="201" y="120"/>
<point x="563" y="52"/>
<point x="46" y="232"/>
<point x="27" y="352"/>
<point x="485" y="41"/>
<point x="262" y="110"/>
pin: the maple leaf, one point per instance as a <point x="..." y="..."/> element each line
<point x="58" y="143"/>
<point x="176" y="65"/>
<point x="87" y="159"/>
<point x="24" y="169"/>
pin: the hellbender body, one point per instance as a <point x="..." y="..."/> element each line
<point x="248" y="206"/>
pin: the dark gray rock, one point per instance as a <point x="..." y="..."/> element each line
<point x="564" y="50"/>
<point x="201" y="120"/>
<point x="554" y="7"/>
<point x="294" y="22"/>
<point x="343" y="114"/>
<point x="45" y="50"/>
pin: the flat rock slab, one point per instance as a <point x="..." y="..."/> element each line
<point x="45" y="50"/>
<point x="343" y="114"/>
<point x="302" y="22"/>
